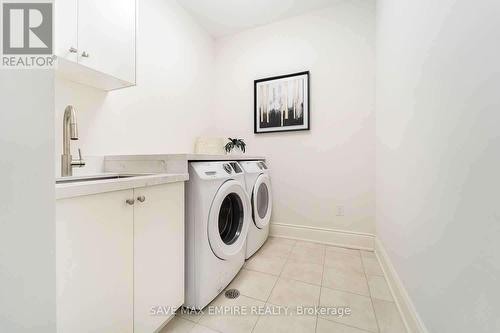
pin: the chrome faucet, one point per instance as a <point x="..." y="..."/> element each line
<point x="70" y="132"/>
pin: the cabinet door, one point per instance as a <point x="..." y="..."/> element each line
<point x="106" y="33"/>
<point x="94" y="263"/>
<point x="158" y="253"/>
<point x="66" y="29"/>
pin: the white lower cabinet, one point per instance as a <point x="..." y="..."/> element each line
<point x="158" y="253"/>
<point x="94" y="263"/>
<point x="117" y="260"/>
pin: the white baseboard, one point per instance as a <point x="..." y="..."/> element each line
<point x="349" y="239"/>
<point x="405" y="306"/>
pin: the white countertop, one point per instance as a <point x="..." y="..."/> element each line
<point x="157" y="169"/>
<point x="165" y="163"/>
<point x="79" y="188"/>
<point x="187" y="157"/>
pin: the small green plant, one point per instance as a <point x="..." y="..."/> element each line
<point x="235" y="143"/>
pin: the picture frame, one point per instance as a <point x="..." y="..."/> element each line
<point x="282" y="103"/>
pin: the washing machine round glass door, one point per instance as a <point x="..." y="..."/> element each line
<point x="262" y="203"/>
<point x="228" y="220"/>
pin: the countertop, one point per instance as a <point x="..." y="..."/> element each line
<point x="74" y="189"/>
<point x="156" y="169"/>
<point x="165" y="163"/>
<point x="187" y="157"/>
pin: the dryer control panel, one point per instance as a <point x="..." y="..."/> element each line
<point x="254" y="166"/>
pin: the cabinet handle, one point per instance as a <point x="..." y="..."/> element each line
<point x="141" y="198"/>
<point x="85" y="54"/>
<point x="72" y="50"/>
<point x="130" y="201"/>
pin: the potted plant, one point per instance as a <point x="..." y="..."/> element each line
<point x="234" y="144"/>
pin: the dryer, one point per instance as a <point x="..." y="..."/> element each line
<point x="258" y="185"/>
<point x="218" y="214"/>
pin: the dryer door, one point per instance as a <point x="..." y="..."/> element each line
<point x="262" y="203"/>
<point x="228" y="220"/>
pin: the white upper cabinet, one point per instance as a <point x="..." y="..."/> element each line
<point x="66" y="29"/>
<point x="95" y="42"/>
<point x="106" y="37"/>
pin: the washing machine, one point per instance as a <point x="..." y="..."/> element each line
<point x="258" y="185"/>
<point x="218" y="214"/>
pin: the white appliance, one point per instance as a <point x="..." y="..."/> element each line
<point x="258" y="184"/>
<point x="218" y="215"/>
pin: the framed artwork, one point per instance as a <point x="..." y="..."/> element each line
<point x="281" y="103"/>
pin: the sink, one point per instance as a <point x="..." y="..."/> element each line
<point x="93" y="178"/>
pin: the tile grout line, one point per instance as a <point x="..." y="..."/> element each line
<point x="274" y="285"/>
<point x="362" y="274"/>
<point x="192" y="328"/>
<point x="289" y="259"/>
<point x="349" y="292"/>
<point x="370" y="291"/>
<point x="346" y="325"/>
<point x="320" y="288"/>
<point x="278" y="305"/>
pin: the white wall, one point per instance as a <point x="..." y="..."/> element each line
<point x="438" y="157"/>
<point x="174" y="102"/>
<point x="171" y="103"/>
<point x="333" y="164"/>
<point x="27" y="228"/>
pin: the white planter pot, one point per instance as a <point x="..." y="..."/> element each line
<point x="235" y="152"/>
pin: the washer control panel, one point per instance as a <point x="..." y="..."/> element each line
<point x="215" y="170"/>
<point x="227" y="168"/>
<point x="236" y="167"/>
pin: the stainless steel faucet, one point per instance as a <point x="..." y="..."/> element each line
<point x="70" y="132"/>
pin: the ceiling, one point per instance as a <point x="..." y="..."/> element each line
<point x="225" y="17"/>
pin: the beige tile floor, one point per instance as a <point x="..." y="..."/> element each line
<point x="289" y="273"/>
